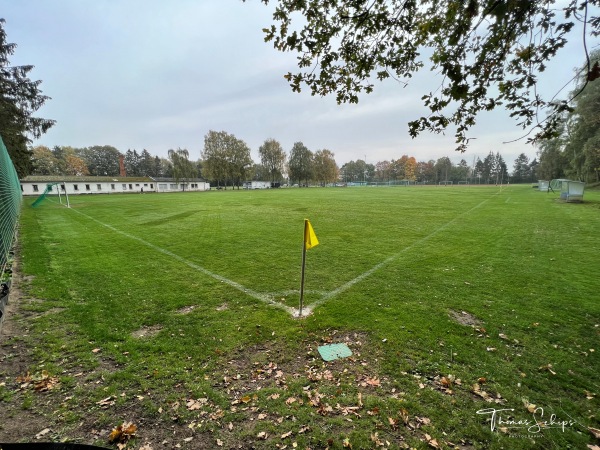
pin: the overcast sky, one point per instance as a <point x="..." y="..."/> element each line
<point x="157" y="74"/>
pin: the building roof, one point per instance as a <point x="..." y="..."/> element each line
<point x="181" y="180"/>
<point x="86" y="179"/>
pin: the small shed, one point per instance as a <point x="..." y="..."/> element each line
<point x="572" y="191"/>
<point x="257" y="185"/>
<point x="543" y="185"/>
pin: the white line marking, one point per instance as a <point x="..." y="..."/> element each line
<point x="268" y="299"/>
<point x="257" y="295"/>
<point x="373" y="269"/>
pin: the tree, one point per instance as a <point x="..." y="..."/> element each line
<point x="426" y="171"/>
<point x="101" y="160"/>
<point x="132" y="163"/>
<point x="44" y="162"/>
<point x="146" y="164"/>
<point x="521" y="169"/>
<point x="442" y="169"/>
<point x="75" y="166"/>
<point x="325" y="168"/>
<point x="239" y="161"/>
<point x="272" y="157"/>
<point x="20" y="98"/>
<point x="488" y="52"/>
<point x="300" y="163"/>
<point x="225" y="158"/>
<point x="183" y="168"/>
<point x="583" y="129"/>
<point x="382" y="171"/>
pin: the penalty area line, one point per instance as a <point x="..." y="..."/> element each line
<point x="256" y="295"/>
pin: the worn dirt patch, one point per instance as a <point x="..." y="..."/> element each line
<point x="465" y="318"/>
<point x="223" y="307"/>
<point x="147" y="331"/>
<point x="186" y="309"/>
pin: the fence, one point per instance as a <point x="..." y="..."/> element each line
<point x="10" y="205"/>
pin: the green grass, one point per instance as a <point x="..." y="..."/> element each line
<point x="392" y="267"/>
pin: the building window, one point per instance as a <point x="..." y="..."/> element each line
<point x="50" y="188"/>
<point x="130" y="186"/>
<point x="137" y="184"/>
<point x="35" y="188"/>
<point x="124" y="187"/>
<point x="151" y="186"/>
<point x="112" y="186"/>
<point x="173" y="186"/>
<point x="145" y="184"/>
<point x="99" y="186"/>
<point x="87" y="187"/>
<point x="21" y="188"/>
<point x="75" y="187"/>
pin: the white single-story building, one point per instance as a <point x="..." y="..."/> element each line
<point x="257" y="185"/>
<point x="37" y="184"/>
<point x="188" y="185"/>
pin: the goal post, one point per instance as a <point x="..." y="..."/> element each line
<point x="49" y="190"/>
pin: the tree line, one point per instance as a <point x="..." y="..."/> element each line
<point x="226" y="162"/>
<point x="490" y="170"/>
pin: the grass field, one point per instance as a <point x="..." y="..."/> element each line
<point x="177" y="313"/>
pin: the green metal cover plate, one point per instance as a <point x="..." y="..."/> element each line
<point x="334" y="351"/>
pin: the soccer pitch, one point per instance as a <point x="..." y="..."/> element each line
<point x="430" y="278"/>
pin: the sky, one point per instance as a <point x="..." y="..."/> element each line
<point x="159" y="75"/>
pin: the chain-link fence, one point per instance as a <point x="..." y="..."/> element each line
<point x="10" y="205"/>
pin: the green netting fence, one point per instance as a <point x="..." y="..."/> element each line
<point x="10" y="204"/>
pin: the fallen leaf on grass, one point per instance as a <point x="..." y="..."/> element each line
<point x="548" y="367"/>
<point x="106" y="402"/>
<point x="373" y="382"/>
<point x="593" y="447"/>
<point x="290" y="400"/>
<point x="122" y="433"/>
<point x="432" y="442"/>
<point x="346" y="443"/>
<point x="219" y="442"/>
<point x="262" y="435"/>
<point x="403" y="415"/>
<point x="42" y="433"/>
<point x="595" y="432"/>
<point x="41" y="382"/>
<point x="193" y="405"/>
<point x="286" y="435"/>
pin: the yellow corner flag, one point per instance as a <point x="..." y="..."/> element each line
<point x="310" y="238"/>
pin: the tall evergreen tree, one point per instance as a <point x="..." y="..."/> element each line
<point x="20" y="98"/>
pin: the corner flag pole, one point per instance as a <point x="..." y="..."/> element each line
<point x="310" y="240"/>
